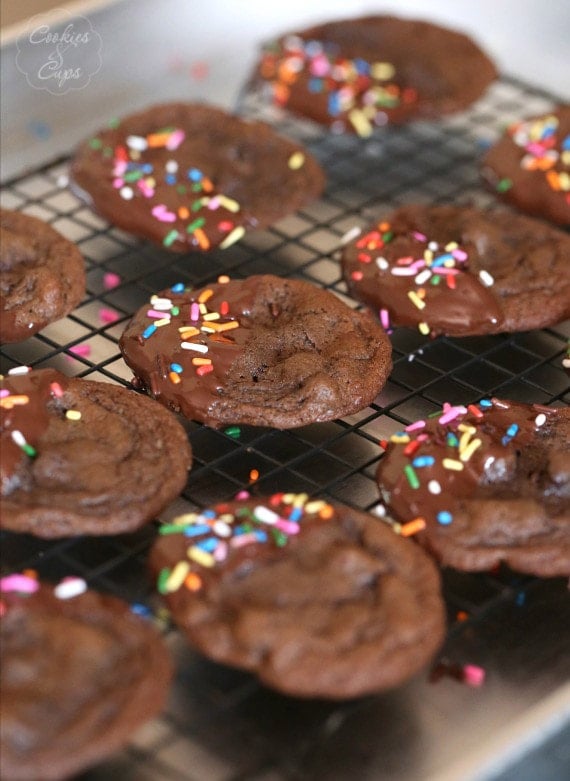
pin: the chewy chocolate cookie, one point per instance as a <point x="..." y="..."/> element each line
<point x="42" y="277"/>
<point x="356" y="74"/>
<point x="491" y="482"/>
<point x="317" y="600"/>
<point x="84" y="457"/>
<point x="461" y="271"/>
<point x="264" y="351"/>
<point x="529" y="167"/>
<point x="79" y="673"/>
<point x="192" y="177"/>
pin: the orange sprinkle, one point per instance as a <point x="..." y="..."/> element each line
<point x="193" y="581"/>
<point x="188" y="333"/>
<point x="229" y="326"/>
<point x="384" y="226"/>
<point x="253" y="475"/>
<point x="552" y="178"/>
<point x="413" y="527"/>
<point x="201" y="361"/>
<point x="223" y="279"/>
<point x="203" y="240"/>
<point x="183" y="213"/>
<point x="157" y="139"/>
<point x="207" y="185"/>
<point x="174" y="378"/>
<point x="205" y="295"/>
<point x="326" y="512"/>
<point x="462" y="615"/>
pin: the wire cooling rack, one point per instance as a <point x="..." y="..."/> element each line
<point x="220" y="725"/>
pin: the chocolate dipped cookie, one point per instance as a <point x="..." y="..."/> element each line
<point x="42" y="277"/>
<point x="460" y="271"/>
<point x="354" y="75"/>
<point x="192" y="177"/>
<point x="317" y="600"/>
<point x="84" y="457"/>
<point x="529" y="167"/>
<point x="79" y="673"/>
<point x="264" y="351"/>
<point x="491" y="482"/>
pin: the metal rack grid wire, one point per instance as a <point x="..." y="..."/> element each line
<point x="220" y="724"/>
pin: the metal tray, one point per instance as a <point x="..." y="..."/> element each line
<point x="220" y="724"/>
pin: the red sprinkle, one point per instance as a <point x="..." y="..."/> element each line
<point x="475" y="411"/>
<point x="202" y="370"/>
<point x="411" y="447"/>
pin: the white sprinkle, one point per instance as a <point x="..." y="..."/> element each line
<point x="20" y="370"/>
<point x="70" y="587"/>
<point x="382" y="263"/>
<point x="221" y="529"/>
<point x="486" y="278"/>
<point x="434" y="487"/>
<point x="196" y="346"/>
<point x="265" y="515"/>
<point x="18" y="438"/>
<point x="161" y="304"/>
<point x="126" y="193"/>
<point x="171" y="167"/>
<point x="137" y="142"/>
<point x="62" y="181"/>
<point x="540" y="420"/>
<point x="422" y="277"/>
<point x="350" y="235"/>
<point x="433" y="245"/>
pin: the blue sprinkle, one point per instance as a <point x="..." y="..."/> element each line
<point x="313" y="48"/>
<point x="175" y="367"/>
<point x="440" y="260"/>
<point x="444" y="517"/>
<point x="209" y="514"/>
<point x="512" y="430"/>
<point x="315" y="85"/>
<point x="566" y="143"/>
<point x="147" y="168"/>
<point x="520" y="599"/>
<point x="195" y="529"/>
<point x="209" y="544"/>
<point x="170" y="179"/>
<point x="194" y="174"/>
<point x="178" y="287"/>
<point x="361" y="66"/>
<point x="40" y="129"/>
<point x="296" y="514"/>
<point x="423" y="461"/>
<point x="334" y="104"/>
<point x="148" y="331"/>
<point x="261" y="536"/>
<point x="140" y="610"/>
<point x="485" y="403"/>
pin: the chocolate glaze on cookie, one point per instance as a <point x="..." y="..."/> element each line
<point x="83" y="457"/>
<point x="491" y="481"/>
<point x="461" y="271"/>
<point x="317" y="600"/>
<point x="356" y="74"/>
<point x="42" y="276"/>
<point x="263" y="351"/>
<point x="192" y="177"/>
<point x="79" y="673"/>
<point x="529" y="167"/>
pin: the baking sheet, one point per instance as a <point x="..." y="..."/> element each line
<point x="220" y="724"/>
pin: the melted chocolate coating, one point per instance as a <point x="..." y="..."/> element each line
<point x="188" y="176"/>
<point x="78" y="677"/>
<point x="109" y="472"/>
<point x="508" y="501"/>
<point x="42" y="277"/>
<point x="529" y="167"/>
<point x="297" y="355"/>
<point x="321" y="601"/>
<point x="513" y="272"/>
<point x="355" y="74"/>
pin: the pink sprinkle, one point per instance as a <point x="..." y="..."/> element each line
<point x="111" y="280"/>
<point x="214" y="203"/>
<point x="119" y="170"/>
<point x="243" y="539"/>
<point x="459" y="254"/>
<point x="221" y="551"/>
<point x="4" y="392"/>
<point x="194" y="311"/>
<point x="108" y="315"/>
<point x="156" y="314"/>
<point x="21" y="583"/>
<point x="385" y="318"/>
<point x="415" y="426"/>
<point x="175" y="139"/>
<point x="162" y="214"/>
<point x="81" y="349"/>
<point x="422" y="438"/>
<point x="56" y="389"/>
<point x="242" y="495"/>
<point x="451" y="413"/>
<point x="287" y="526"/>
<point x="145" y="188"/>
<point x="473" y="675"/>
<point x="419" y="236"/>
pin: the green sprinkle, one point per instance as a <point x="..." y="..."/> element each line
<point x="114" y="122"/>
<point x="95" y="143"/>
<point x="196" y="188"/>
<point x="163" y="576"/>
<point x="197" y="205"/>
<point x="133" y="176"/>
<point x="386" y="237"/>
<point x="196" y="224"/>
<point x="435" y="280"/>
<point x="279" y="537"/>
<point x="172" y="528"/>
<point x="233" y="431"/>
<point x="170" y="238"/>
<point x="175" y="311"/>
<point x="411" y="476"/>
<point x="29" y="450"/>
<point x="503" y="185"/>
<point x="181" y="188"/>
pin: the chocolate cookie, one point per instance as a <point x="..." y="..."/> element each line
<point x="192" y="177"/>
<point x="461" y="271"/>
<point x="264" y="351"/>
<point x="491" y="482"/>
<point x="317" y="600"/>
<point x="42" y="276"/>
<point x="80" y="673"/>
<point x="529" y="167"/>
<point x="356" y="74"/>
<point x="83" y="457"/>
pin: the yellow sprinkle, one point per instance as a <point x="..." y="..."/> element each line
<point x="382" y="70"/>
<point x="415" y="299"/>
<point x="451" y="463"/>
<point x="300" y="500"/>
<point x="466" y="427"/>
<point x="223" y="279"/>
<point x="200" y="556"/>
<point x="73" y="414"/>
<point x="451" y="246"/>
<point x="314" y="506"/>
<point x="464" y="440"/>
<point x="177" y="576"/>
<point x="232" y="237"/>
<point x="187" y="332"/>
<point x="229" y="203"/>
<point x="205" y="295"/>
<point x="211" y="316"/>
<point x="296" y="161"/>
<point x="185" y="518"/>
<point x="470" y="449"/>
<point x="360" y="122"/>
<point x="424" y="328"/>
<point x="208" y="329"/>
<point x="400" y="439"/>
<point x="288" y="498"/>
<point x="162" y="321"/>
